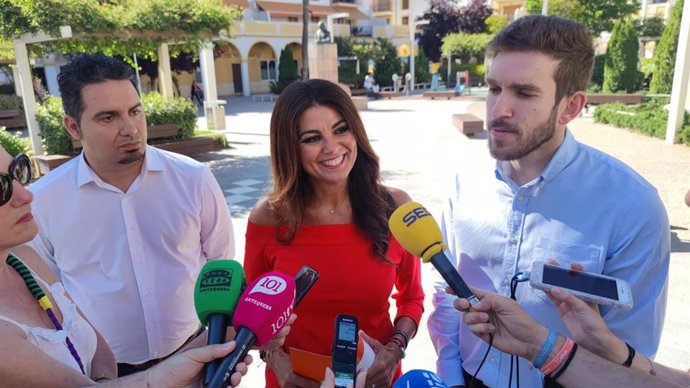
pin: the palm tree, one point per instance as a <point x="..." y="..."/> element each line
<point x="305" y="39"/>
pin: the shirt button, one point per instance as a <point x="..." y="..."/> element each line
<point x="492" y="360"/>
<point x="513" y="240"/>
<point x="520" y="198"/>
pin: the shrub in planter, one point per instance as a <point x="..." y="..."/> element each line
<point x="12" y="143"/>
<point x="178" y="111"/>
<point x="11" y="102"/>
<point x="56" y="140"/>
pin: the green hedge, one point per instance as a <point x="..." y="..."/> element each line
<point x="178" y="111"/>
<point x="650" y="118"/>
<point x="56" y="140"/>
<point x="13" y="144"/>
<point x="11" y="102"/>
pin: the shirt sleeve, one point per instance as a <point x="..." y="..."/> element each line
<point x="217" y="236"/>
<point x="408" y="283"/>
<point x="255" y="261"/>
<point x="641" y="255"/>
<point x="444" y="321"/>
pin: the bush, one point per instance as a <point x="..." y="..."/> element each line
<point x="598" y="73"/>
<point x="620" y="68"/>
<point x="56" y="140"/>
<point x="49" y="115"/>
<point x="287" y="71"/>
<point x="13" y="144"/>
<point x="11" y="102"/>
<point x="178" y="111"/>
<point x="649" y="118"/>
<point x="665" y="55"/>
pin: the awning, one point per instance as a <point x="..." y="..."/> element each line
<point x="354" y="12"/>
<point x="294" y="9"/>
<point x="239" y="3"/>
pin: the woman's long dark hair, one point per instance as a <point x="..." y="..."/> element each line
<point x="292" y="191"/>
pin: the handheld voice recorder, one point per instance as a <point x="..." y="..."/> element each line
<point x="344" y="362"/>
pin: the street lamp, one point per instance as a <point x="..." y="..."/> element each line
<point x="412" y="31"/>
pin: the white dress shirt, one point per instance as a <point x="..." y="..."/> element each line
<point x="585" y="207"/>
<point x="130" y="259"/>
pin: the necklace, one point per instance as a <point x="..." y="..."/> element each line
<point x="36" y="290"/>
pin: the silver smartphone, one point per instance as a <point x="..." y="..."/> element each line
<point x="591" y="287"/>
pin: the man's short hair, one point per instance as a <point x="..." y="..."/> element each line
<point x="565" y="40"/>
<point x="89" y="69"/>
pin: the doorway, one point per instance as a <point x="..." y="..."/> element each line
<point x="237" y="77"/>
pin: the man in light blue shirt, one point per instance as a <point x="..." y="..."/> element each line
<point x="546" y="196"/>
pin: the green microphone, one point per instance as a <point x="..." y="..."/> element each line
<point x="217" y="290"/>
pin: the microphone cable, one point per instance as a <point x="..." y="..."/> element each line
<point x="517" y="278"/>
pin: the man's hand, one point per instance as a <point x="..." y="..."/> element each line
<point x="184" y="369"/>
<point x="278" y="341"/>
<point x="513" y="330"/>
<point x="329" y="381"/>
<point x="281" y="366"/>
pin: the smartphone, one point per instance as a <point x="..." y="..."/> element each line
<point x="588" y="286"/>
<point x="304" y="280"/>
<point x="344" y="360"/>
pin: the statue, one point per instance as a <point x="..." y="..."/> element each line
<point x="322" y="34"/>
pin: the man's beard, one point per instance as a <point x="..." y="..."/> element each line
<point x="531" y="142"/>
<point x="132" y="157"/>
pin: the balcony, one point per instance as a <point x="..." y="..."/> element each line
<point x="383" y="6"/>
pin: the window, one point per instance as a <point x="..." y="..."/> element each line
<point x="406" y="21"/>
<point x="405" y="4"/>
<point x="268" y="70"/>
<point x="292" y="19"/>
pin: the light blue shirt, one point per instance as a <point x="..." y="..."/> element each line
<point x="585" y="207"/>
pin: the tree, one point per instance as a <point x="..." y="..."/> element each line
<point x="597" y="15"/>
<point x="600" y="15"/>
<point x="665" y="55"/>
<point x="305" y="39"/>
<point x="421" y="68"/>
<point x="443" y="19"/>
<point x="472" y="17"/>
<point x="117" y="27"/>
<point x="287" y="71"/>
<point x="385" y="55"/>
<point x="496" y="23"/>
<point x="620" y="68"/>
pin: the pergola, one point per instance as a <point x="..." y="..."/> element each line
<point x="213" y="110"/>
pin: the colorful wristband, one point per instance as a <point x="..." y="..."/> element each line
<point x="559" y="358"/>
<point x="566" y="363"/>
<point x="545" y="350"/>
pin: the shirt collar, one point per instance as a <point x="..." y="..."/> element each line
<point x="563" y="156"/>
<point x="85" y="175"/>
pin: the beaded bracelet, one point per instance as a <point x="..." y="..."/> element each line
<point x="404" y="335"/>
<point x="545" y="350"/>
<point x="559" y="358"/>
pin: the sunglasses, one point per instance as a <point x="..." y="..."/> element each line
<point x="20" y="169"/>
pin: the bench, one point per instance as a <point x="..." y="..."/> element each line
<point x="12" y="119"/>
<point x="263" y="97"/>
<point x="468" y="124"/>
<point x="600" y="98"/>
<point x="448" y="94"/>
<point x="386" y="94"/>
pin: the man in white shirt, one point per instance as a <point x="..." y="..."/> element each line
<point x="126" y="226"/>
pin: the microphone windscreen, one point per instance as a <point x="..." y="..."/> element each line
<point x="218" y="287"/>
<point x="416" y="230"/>
<point x="266" y="305"/>
<point x="419" y="378"/>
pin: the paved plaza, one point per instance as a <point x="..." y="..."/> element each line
<point x="419" y="149"/>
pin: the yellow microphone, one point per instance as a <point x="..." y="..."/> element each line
<point x="417" y="231"/>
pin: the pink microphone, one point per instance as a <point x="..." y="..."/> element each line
<point x="262" y="311"/>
